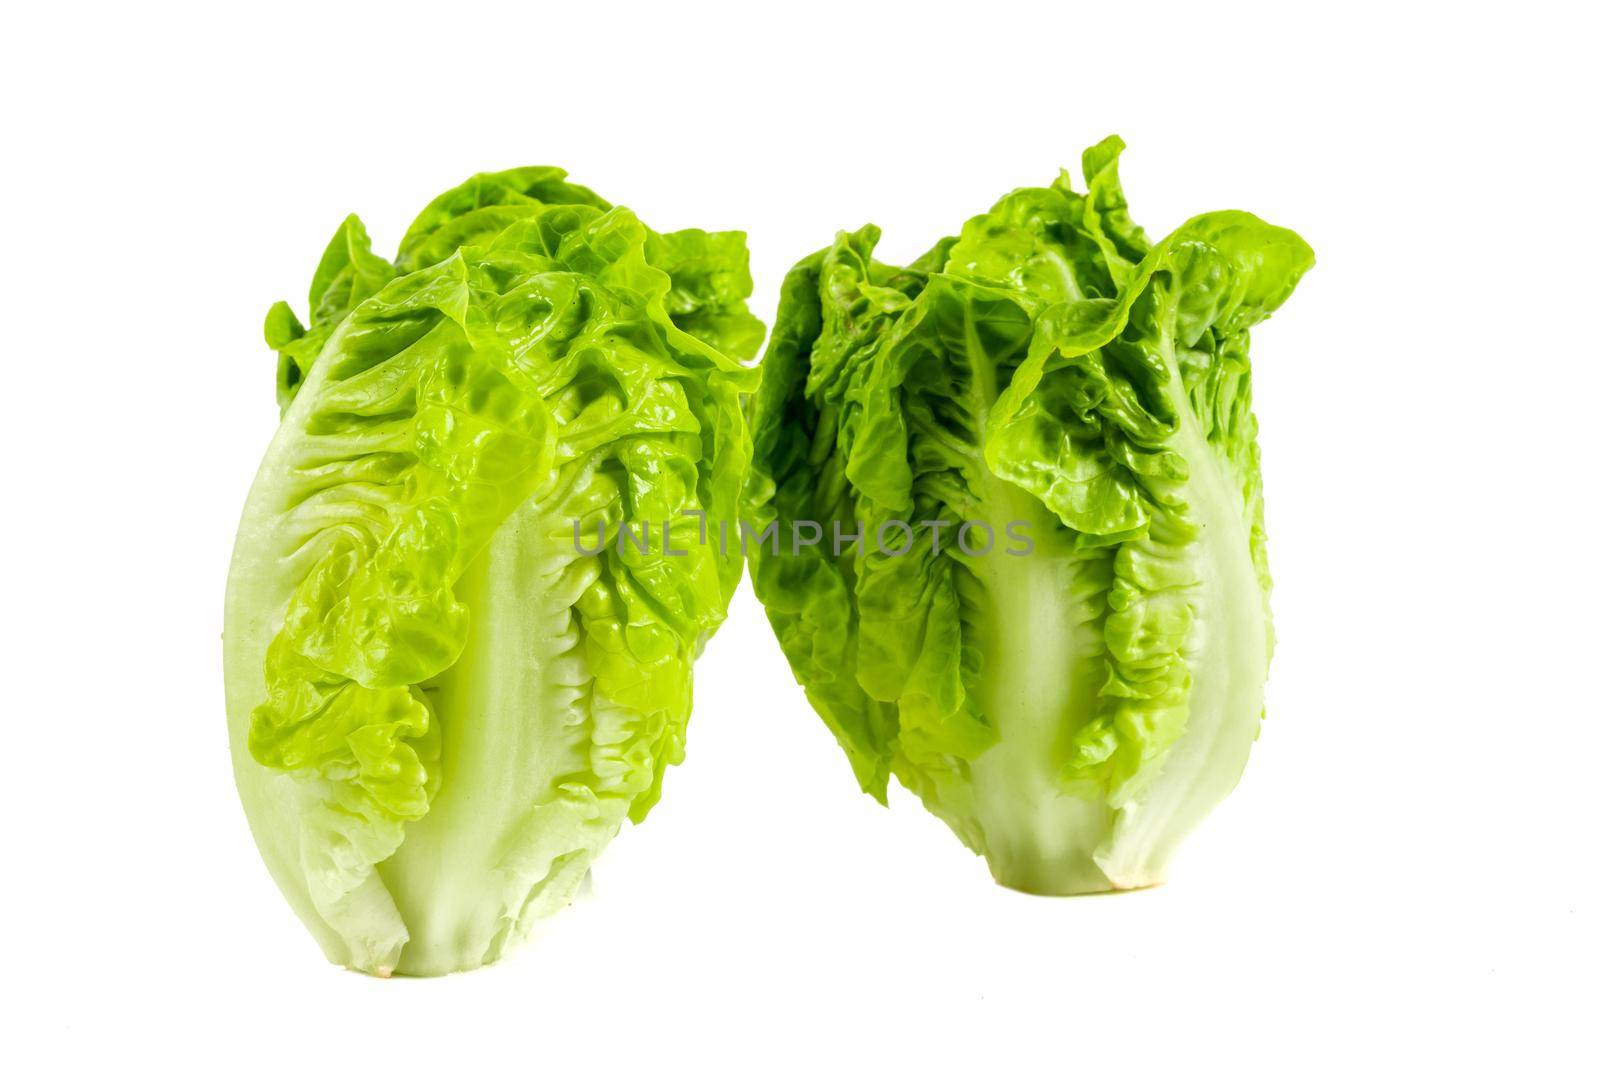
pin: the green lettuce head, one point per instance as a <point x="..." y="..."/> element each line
<point x="1054" y="629"/>
<point x="441" y="706"/>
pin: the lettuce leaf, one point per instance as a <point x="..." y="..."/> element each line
<point x="441" y="706"/>
<point x="1078" y="682"/>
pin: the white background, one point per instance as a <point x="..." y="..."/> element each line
<point x="1407" y="872"/>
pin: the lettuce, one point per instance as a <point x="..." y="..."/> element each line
<point x="441" y="708"/>
<point x="1073" y="678"/>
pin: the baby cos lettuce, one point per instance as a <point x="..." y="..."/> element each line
<point x="440" y="711"/>
<point x="1072" y="707"/>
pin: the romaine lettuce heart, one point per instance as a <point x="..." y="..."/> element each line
<point x="1074" y="694"/>
<point x="441" y="710"/>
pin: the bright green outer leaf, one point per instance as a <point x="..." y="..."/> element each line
<point x="1072" y="707"/>
<point x="349" y="273"/>
<point x="441" y="708"/>
<point x="710" y="284"/>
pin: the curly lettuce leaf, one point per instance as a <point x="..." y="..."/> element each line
<point x="348" y="273"/>
<point x="710" y="284"/>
